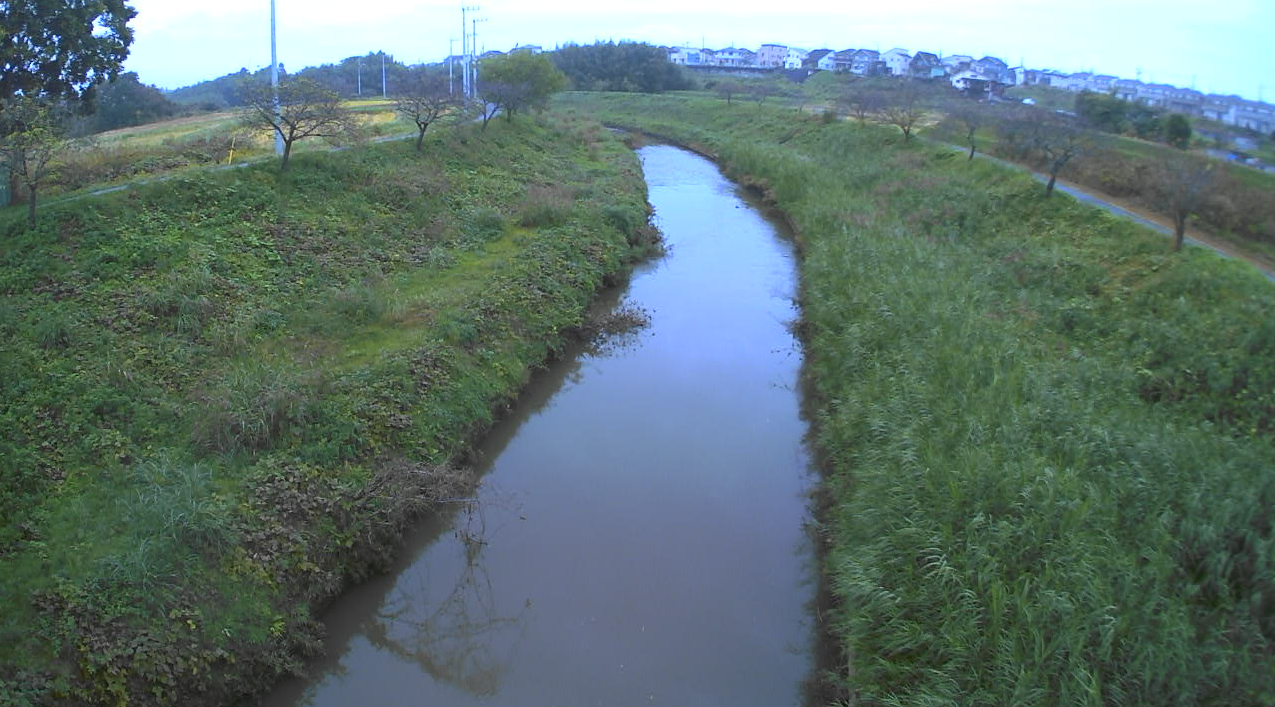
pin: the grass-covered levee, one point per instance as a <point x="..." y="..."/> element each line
<point x="223" y="396"/>
<point x="1050" y="442"/>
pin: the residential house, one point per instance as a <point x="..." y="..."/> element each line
<point x="845" y="60"/>
<point x="1017" y="75"/>
<point x="865" y="62"/>
<point x="708" y="57"/>
<point x="923" y="65"/>
<point x="897" y="61"/>
<point x="956" y="62"/>
<point x="529" y="48"/>
<point x="1234" y="110"/>
<point x="1102" y="83"/>
<point x="772" y="55"/>
<point x="1126" y="89"/>
<point x="735" y="56"/>
<point x="796" y="57"/>
<point x="992" y="67"/>
<point x="977" y="84"/>
<point x="685" y="56"/>
<point x="821" y="59"/>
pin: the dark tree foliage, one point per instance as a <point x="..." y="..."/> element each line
<point x="126" y="101"/>
<point x="222" y="92"/>
<point x="624" y="66"/>
<point x="1102" y="111"/>
<point x="62" y="49"/>
<point x="344" y="77"/>
<point x="1177" y="131"/>
<point x="1183" y="185"/>
<point x="1145" y="122"/>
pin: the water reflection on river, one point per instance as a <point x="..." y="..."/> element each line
<point x="640" y="532"/>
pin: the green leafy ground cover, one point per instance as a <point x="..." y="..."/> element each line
<point x="223" y="395"/>
<point x="1050" y="443"/>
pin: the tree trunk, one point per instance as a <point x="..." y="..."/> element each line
<point x="1179" y="231"/>
<point x="971" y="150"/>
<point x="420" y="138"/>
<point x="287" y="153"/>
<point x="31" y="207"/>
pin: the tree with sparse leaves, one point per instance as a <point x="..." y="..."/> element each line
<point x="969" y="116"/>
<point x="304" y="109"/>
<point x="1183" y="184"/>
<point x="904" y="109"/>
<point x="426" y="100"/>
<point x="32" y="139"/>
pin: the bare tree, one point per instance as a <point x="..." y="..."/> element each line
<point x="904" y="109"/>
<point x="969" y="117"/>
<point x="727" y="90"/>
<point x="33" y="136"/>
<point x="305" y="109"/>
<point x="1059" y="141"/>
<point x="862" y="103"/>
<point x="1183" y="184"/>
<point x="426" y="100"/>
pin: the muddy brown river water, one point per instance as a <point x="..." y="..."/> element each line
<point x="641" y="533"/>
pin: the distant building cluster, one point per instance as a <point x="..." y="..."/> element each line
<point x="988" y="75"/>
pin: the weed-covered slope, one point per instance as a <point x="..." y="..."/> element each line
<point x="1049" y="439"/>
<point x="222" y="395"/>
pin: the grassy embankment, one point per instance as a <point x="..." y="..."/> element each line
<point x="224" y="394"/>
<point x="1049" y="441"/>
<point x="192" y="143"/>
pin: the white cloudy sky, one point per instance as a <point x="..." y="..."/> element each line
<point x="1223" y="46"/>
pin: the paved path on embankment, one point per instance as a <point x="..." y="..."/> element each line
<point x="1095" y="200"/>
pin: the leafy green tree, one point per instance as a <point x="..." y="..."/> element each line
<point x="1145" y="121"/>
<point x="304" y="110"/>
<point x="32" y="138"/>
<point x="62" y="49"/>
<point x="623" y="66"/>
<point x="1177" y="131"/>
<point x="518" y="82"/>
<point x="126" y="101"/>
<point x="1102" y="111"/>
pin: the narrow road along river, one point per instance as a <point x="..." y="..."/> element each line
<point x="641" y="531"/>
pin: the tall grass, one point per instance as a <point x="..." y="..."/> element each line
<point x="1049" y="441"/>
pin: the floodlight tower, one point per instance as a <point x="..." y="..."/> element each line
<point x="274" y="79"/>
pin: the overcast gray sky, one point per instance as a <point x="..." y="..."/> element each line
<point x="1222" y="47"/>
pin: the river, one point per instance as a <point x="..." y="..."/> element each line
<point x="641" y="533"/>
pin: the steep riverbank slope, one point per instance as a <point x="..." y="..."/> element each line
<point x="223" y="395"/>
<point x="1048" y="439"/>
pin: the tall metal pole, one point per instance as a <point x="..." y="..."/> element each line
<point x="451" y="54"/>
<point x="360" y="77"/>
<point x="384" y="92"/>
<point x="274" y="80"/>
<point x="467" y="50"/>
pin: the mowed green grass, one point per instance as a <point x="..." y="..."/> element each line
<point x="1049" y="440"/>
<point x="223" y="393"/>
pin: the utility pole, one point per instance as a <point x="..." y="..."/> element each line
<point x="360" y="77"/>
<point x="473" y="81"/>
<point x="274" y="79"/>
<point x="384" y="92"/>
<point x="451" y="54"/>
<point x="466" y="50"/>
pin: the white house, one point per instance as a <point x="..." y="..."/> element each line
<point x="898" y="61"/>
<point x="795" y="58"/>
